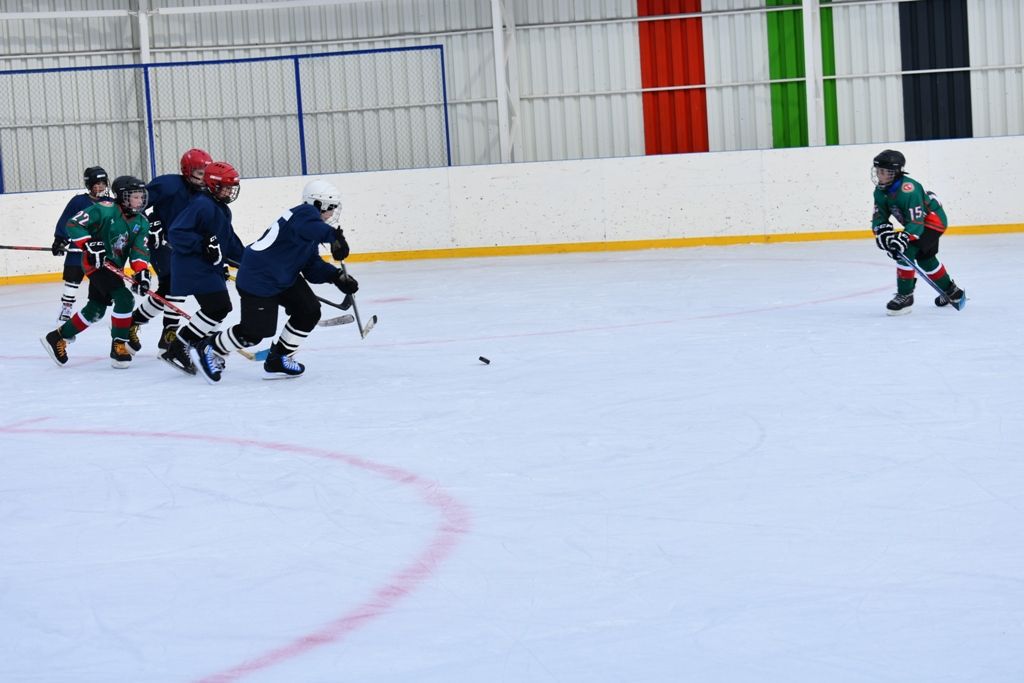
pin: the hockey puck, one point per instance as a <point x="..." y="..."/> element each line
<point x="485" y="361"/>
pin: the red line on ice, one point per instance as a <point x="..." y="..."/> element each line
<point x="454" y="523"/>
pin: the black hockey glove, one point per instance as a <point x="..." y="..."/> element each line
<point x="339" y="247"/>
<point x="895" y="243"/>
<point x="345" y="282"/>
<point x="155" y="239"/>
<point x="95" y="253"/>
<point x="211" y="252"/>
<point x="59" y="246"/>
<point x="141" y="282"/>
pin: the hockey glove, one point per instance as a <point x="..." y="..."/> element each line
<point x="59" y="246"/>
<point x="141" y="282"/>
<point x="339" y="247"/>
<point x="346" y="283"/>
<point x="211" y="252"/>
<point x="95" y="253"/>
<point x="895" y="244"/>
<point x="155" y="238"/>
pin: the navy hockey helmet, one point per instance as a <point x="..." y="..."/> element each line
<point x="130" y="193"/>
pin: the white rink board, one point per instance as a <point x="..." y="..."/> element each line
<point x="766" y="192"/>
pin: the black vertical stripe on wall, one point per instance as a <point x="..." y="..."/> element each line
<point x="933" y="35"/>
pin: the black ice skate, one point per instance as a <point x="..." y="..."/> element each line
<point x="56" y="346"/>
<point x="281" y="366"/>
<point x="169" y="334"/>
<point x="206" y="359"/>
<point x="134" y="345"/>
<point x="900" y="304"/>
<point x="954" y="295"/>
<point x="177" y="355"/>
<point x="119" y="356"/>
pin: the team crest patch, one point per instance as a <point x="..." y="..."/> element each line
<point x="908" y="187"/>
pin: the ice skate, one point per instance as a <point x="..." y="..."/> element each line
<point x="207" y="360"/>
<point x="177" y="355"/>
<point x="901" y="304"/>
<point x="280" y="366"/>
<point x="134" y="345"/>
<point x="119" y="356"/>
<point x="56" y="346"/>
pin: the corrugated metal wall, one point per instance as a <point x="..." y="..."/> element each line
<point x="735" y="55"/>
<point x="997" y="60"/>
<point x="577" y="64"/>
<point x="869" y="87"/>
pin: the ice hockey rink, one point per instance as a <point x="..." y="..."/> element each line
<point x="710" y="464"/>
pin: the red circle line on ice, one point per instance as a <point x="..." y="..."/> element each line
<point x="453" y="524"/>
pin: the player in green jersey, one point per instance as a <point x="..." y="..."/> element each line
<point x="115" y="233"/>
<point x="923" y="220"/>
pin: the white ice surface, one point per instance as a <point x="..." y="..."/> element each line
<point x="716" y="464"/>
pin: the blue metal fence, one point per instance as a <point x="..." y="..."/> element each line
<point x="287" y="115"/>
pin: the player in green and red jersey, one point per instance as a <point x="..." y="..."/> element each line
<point x="114" y="232"/>
<point x="923" y="220"/>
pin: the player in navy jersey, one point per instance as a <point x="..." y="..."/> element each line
<point x="202" y="241"/>
<point x="96" y="183"/>
<point x="169" y="194"/>
<point x="275" y="272"/>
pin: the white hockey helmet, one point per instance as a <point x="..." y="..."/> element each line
<point x="324" y="197"/>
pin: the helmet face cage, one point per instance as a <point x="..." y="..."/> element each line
<point x="193" y="164"/>
<point x="222" y="182"/>
<point x="94" y="175"/>
<point x="325" y="197"/>
<point x="130" y="194"/>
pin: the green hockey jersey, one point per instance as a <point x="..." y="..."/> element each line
<point x="907" y="201"/>
<point x="125" y="239"/>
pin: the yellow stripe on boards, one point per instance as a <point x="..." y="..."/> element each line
<point x="626" y="245"/>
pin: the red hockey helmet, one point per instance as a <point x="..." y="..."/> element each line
<point x="222" y="180"/>
<point x="193" y="163"/>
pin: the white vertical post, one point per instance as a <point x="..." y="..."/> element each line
<point x="506" y="83"/>
<point x="144" y="56"/>
<point x="813" y="73"/>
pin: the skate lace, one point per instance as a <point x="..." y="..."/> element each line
<point x="289" y="363"/>
<point x="170" y="335"/>
<point x="133" y="334"/>
<point x="119" y="348"/>
<point x="62" y="346"/>
<point x="213" y="359"/>
<point x="902" y="298"/>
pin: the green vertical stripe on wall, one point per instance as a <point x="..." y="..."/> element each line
<point x="786" y="60"/>
<point x="828" y="67"/>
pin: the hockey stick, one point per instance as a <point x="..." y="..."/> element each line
<point x="17" y="248"/>
<point x="187" y="316"/>
<point x="903" y="260"/>
<point x="350" y="299"/>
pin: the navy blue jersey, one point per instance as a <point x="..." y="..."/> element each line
<point x="80" y="202"/>
<point x="272" y="263"/>
<point x="169" y="195"/>
<point x="187" y="235"/>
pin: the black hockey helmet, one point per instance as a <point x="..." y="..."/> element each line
<point x="890" y="163"/>
<point x="892" y="160"/>
<point x="93" y="175"/>
<point x="124" y="187"/>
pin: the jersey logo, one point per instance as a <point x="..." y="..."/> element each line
<point x="908" y="187"/>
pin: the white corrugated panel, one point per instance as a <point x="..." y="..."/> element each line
<point x="468" y="55"/>
<point x="736" y="51"/>
<point x="579" y="84"/>
<point x="997" y="95"/>
<point x="867" y="43"/>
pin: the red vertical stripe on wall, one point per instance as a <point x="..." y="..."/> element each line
<point x="672" y="53"/>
